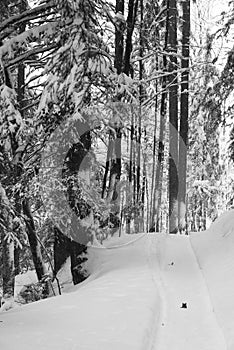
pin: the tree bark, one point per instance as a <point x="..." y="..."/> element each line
<point x="108" y="162"/>
<point x="119" y="37"/>
<point x="141" y="92"/>
<point x="77" y="162"/>
<point x="157" y="188"/>
<point x="64" y="247"/>
<point x="8" y="273"/>
<point x="131" y="19"/>
<point x="33" y="241"/>
<point x="130" y="175"/>
<point x="184" y="114"/>
<point x="115" y="168"/>
<point x="173" y="117"/>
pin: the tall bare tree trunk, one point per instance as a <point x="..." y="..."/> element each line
<point x="33" y="241"/>
<point x="141" y="97"/>
<point x="108" y="162"/>
<point x="184" y="114"/>
<point x="18" y="169"/>
<point x="116" y="136"/>
<point x="131" y="19"/>
<point x="173" y="117"/>
<point x="6" y="229"/>
<point x="119" y="37"/>
<point x="8" y="272"/>
<point x="143" y="195"/>
<point x="7" y="226"/>
<point x="160" y="154"/>
<point x="130" y="175"/>
<point x="153" y="188"/>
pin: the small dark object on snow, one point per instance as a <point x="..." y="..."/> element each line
<point x="162" y="324"/>
<point x="184" y="306"/>
<point x="172" y="263"/>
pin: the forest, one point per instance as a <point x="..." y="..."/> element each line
<point x="116" y="118"/>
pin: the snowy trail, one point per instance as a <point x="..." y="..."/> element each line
<point x="132" y="301"/>
<point x="113" y="309"/>
<point x="181" y="281"/>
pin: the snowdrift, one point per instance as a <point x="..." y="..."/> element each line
<point x="214" y="249"/>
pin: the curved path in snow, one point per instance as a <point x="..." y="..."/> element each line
<point x="187" y="320"/>
<point x="132" y="301"/>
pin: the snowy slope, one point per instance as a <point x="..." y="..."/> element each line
<point x="215" y="252"/>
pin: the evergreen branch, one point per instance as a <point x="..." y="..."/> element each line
<point x="30" y="53"/>
<point x="23" y="17"/>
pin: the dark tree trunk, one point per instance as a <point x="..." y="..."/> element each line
<point x="157" y="187"/>
<point x="8" y="268"/>
<point x="77" y="162"/>
<point x="173" y="116"/>
<point x="7" y="259"/>
<point x="131" y="19"/>
<point x="33" y="241"/>
<point x="138" y="215"/>
<point x="108" y="162"/>
<point x="119" y="37"/>
<point x="130" y="174"/>
<point x="11" y="252"/>
<point x="116" y="136"/>
<point x="64" y="247"/>
<point x="17" y="260"/>
<point x="115" y="170"/>
<point x="6" y="218"/>
<point x="184" y="113"/>
<point x="61" y="249"/>
<point x="153" y="184"/>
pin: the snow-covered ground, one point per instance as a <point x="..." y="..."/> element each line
<point x="159" y="292"/>
<point x="214" y="249"/>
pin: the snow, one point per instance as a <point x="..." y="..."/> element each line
<point x="194" y="327"/>
<point x="99" y="312"/>
<point x="23" y="280"/>
<point x="214" y="249"/>
<point x="134" y="296"/>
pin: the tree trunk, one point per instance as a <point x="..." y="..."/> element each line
<point x="131" y="19"/>
<point x="76" y="166"/>
<point x="153" y="188"/>
<point x="173" y="117"/>
<point x="64" y="247"/>
<point x="141" y="97"/>
<point x="108" y="162"/>
<point x="119" y="37"/>
<point x="8" y="273"/>
<point x="130" y="175"/>
<point x="184" y="113"/>
<point x="33" y="241"/>
<point x="115" y="168"/>
<point x="162" y="128"/>
<point x="16" y="260"/>
<point x="143" y="196"/>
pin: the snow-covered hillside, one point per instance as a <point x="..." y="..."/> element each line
<point x="158" y="292"/>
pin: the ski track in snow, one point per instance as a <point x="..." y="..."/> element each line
<point x="181" y="281"/>
<point x="131" y="301"/>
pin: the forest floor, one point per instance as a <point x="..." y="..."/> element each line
<point x="159" y="292"/>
